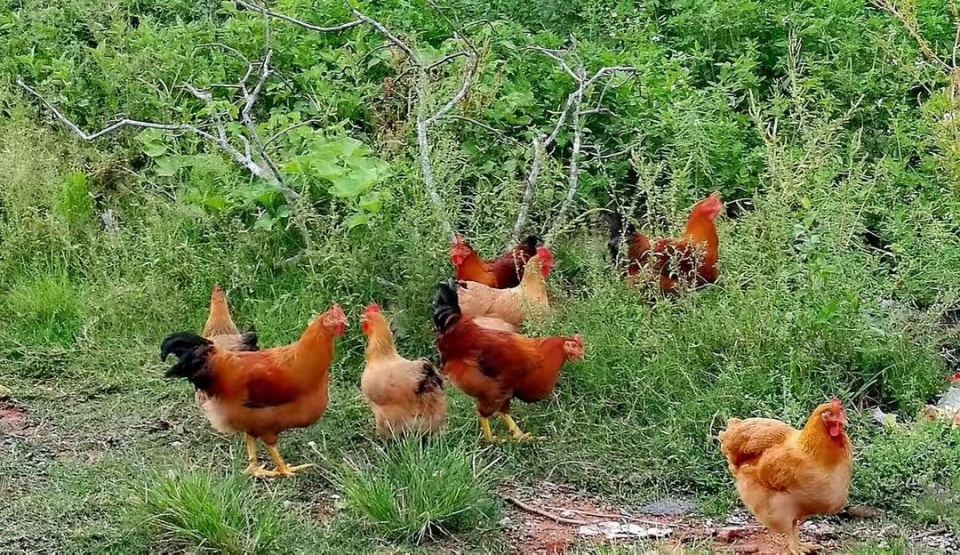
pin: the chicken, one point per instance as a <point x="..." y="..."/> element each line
<point x="690" y="258"/>
<point x="405" y="395"/>
<point x="220" y="328"/>
<point x="260" y="393"/>
<point x="494" y="366"/>
<point x="784" y="475"/>
<point x="513" y="304"/>
<point x="505" y="271"/>
<point x="495" y="324"/>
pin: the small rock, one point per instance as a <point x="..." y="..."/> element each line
<point x="176" y="444"/>
<point x="731" y="533"/>
<point x="746" y="549"/>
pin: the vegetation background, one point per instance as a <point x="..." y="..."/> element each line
<point x="827" y="127"/>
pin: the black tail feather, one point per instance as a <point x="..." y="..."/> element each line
<point x="430" y="379"/>
<point x="530" y="245"/>
<point x="248" y="340"/>
<point x="446" y="305"/>
<point x="192" y="352"/>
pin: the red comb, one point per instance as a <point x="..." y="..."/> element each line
<point x="544" y="252"/>
<point x="371" y="308"/>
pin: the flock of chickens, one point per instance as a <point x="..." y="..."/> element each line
<point x="782" y="475"/>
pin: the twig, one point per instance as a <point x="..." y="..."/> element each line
<point x="239" y="157"/>
<point x="620" y="516"/>
<point x="288" y="129"/>
<point x="928" y="533"/>
<point x="543" y="513"/>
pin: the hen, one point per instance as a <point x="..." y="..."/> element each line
<point x="502" y="272"/>
<point x="784" y="475"/>
<point x="513" y="304"/>
<point x="690" y="258"/>
<point x="220" y="328"/>
<point x="494" y="366"/>
<point x="405" y="395"/>
<point x="260" y="393"/>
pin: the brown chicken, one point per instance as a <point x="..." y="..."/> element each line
<point x="513" y="304"/>
<point x="494" y="366"/>
<point x="689" y="259"/>
<point x="784" y="475"/>
<point x="220" y="328"/>
<point x="260" y="393"/>
<point x="405" y="395"/>
<point x="505" y="271"/>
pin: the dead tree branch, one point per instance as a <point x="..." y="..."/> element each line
<point x="573" y="112"/>
<point x="264" y="168"/>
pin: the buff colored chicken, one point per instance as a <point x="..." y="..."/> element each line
<point x="487" y="305"/>
<point x="405" y="395"/>
<point x="785" y="475"/>
<point x="220" y="328"/>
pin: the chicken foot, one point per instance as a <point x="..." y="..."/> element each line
<point x="281" y="468"/>
<point x="485" y="428"/>
<point x="515" y="430"/>
<point x="260" y="471"/>
<point x="252" y="466"/>
<point x="795" y="547"/>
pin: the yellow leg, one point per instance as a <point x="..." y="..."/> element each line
<point x="281" y="470"/>
<point x="795" y="547"/>
<point x="485" y="428"/>
<point x="252" y="466"/>
<point x="515" y="430"/>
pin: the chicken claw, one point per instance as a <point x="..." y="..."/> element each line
<point x="804" y="548"/>
<point x="485" y="428"/>
<point x="515" y="430"/>
<point x="281" y="469"/>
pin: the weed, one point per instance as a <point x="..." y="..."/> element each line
<point x="212" y="513"/>
<point x="418" y="489"/>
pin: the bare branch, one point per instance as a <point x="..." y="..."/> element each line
<point x="538" y="154"/>
<point x="468" y="76"/>
<point x="335" y="29"/>
<point x="220" y="142"/>
<point x="389" y="36"/>
<point x="572" y="112"/>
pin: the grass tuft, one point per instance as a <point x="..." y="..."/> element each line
<point x="419" y="490"/>
<point x="210" y="513"/>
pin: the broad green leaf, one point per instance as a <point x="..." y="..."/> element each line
<point x="264" y="222"/>
<point x="167" y="166"/>
<point x="371" y="202"/>
<point x="357" y="219"/>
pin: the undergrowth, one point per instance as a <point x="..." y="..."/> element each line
<point x="822" y="124"/>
